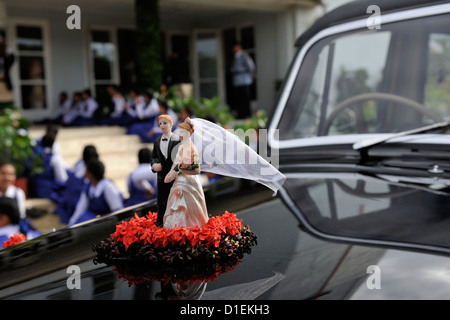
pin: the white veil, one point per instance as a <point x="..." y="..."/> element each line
<point x="223" y="152"/>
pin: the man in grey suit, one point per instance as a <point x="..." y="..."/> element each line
<point x="243" y="69"/>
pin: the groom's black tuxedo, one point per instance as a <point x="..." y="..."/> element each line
<point x="166" y="163"/>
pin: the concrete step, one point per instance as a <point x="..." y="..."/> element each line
<point x="117" y="150"/>
<point x="36" y="131"/>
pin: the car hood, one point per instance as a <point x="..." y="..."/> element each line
<point x="289" y="262"/>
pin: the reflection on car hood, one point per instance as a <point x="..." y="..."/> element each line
<point x="372" y="209"/>
<point x="288" y="263"/>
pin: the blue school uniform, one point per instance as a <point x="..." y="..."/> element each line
<point x="3" y="238"/>
<point x="7" y="231"/>
<point x="70" y="196"/>
<point x="95" y="204"/>
<point x="45" y="184"/>
<point x="141" y="128"/>
<point x="137" y="195"/>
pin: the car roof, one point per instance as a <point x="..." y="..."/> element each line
<point x="358" y="10"/>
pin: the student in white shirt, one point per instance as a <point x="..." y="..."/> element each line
<point x="87" y="111"/>
<point x="9" y="190"/>
<point x="77" y="104"/>
<point x="141" y="181"/>
<point x="100" y="196"/>
<point x="51" y="182"/>
<point x="64" y="105"/>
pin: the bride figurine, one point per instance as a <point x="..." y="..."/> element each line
<point x="186" y="204"/>
<point x="189" y="234"/>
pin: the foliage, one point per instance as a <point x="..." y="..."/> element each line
<point x="204" y="108"/>
<point x="207" y="108"/>
<point x="15" y="144"/>
<point x="352" y="83"/>
<point x="257" y="121"/>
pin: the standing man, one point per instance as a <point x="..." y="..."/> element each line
<point x="164" y="147"/>
<point x="243" y="69"/>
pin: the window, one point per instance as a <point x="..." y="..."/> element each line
<point x="32" y="63"/>
<point x="365" y="81"/>
<point x="104" y="65"/>
<point x="207" y="64"/>
<point x="437" y="88"/>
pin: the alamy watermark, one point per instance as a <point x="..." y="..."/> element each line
<point x="74" y="20"/>
<point x="374" y="21"/>
<point x="74" y="280"/>
<point x="237" y="147"/>
<point x="374" y="280"/>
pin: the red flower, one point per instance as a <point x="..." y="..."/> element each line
<point x="16" y="238"/>
<point x="144" y="230"/>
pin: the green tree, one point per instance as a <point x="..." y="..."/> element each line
<point x="149" y="43"/>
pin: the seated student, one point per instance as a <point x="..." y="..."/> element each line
<point x="50" y="183"/>
<point x="75" y="109"/>
<point x="116" y="116"/>
<point x="147" y="111"/>
<point x="86" y="114"/>
<point x="8" y="189"/>
<point x="76" y="183"/>
<point x="9" y="220"/>
<point x="51" y="129"/>
<point x="130" y="114"/>
<point x="64" y="105"/>
<point x="149" y="131"/>
<point x="99" y="197"/>
<point x="142" y="181"/>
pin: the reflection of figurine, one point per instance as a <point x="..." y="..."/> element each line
<point x="186" y="204"/>
<point x="162" y="162"/>
<point x="189" y="290"/>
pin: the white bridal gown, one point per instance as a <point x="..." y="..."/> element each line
<point x="186" y="204"/>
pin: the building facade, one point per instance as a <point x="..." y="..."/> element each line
<point x="63" y="45"/>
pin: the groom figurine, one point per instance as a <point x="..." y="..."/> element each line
<point x="164" y="147"/>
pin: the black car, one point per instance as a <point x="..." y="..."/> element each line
<point x="360" y="131"/>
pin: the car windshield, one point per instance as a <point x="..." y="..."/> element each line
<point x="385" y="80"/>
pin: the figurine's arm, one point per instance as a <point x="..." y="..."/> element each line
<point x="172" y="174"/>
<point x="196" y="170"/>
<point x="156" y="163"/>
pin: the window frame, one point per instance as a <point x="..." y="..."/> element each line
<point x="13" y="23"/>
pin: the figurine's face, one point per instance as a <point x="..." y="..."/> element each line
<point x="183" y="134"/>
<point x="165" y="126"/>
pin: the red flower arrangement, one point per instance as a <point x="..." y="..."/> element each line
<point x="16" y="238"/>
<point x="143" y="230"/>
<point x="142" y="252"/>
<point x="139" y="240"/>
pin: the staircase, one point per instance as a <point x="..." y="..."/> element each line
<point x="117" y="150"/>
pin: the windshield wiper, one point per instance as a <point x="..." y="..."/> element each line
<point x="368" y="143"/>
